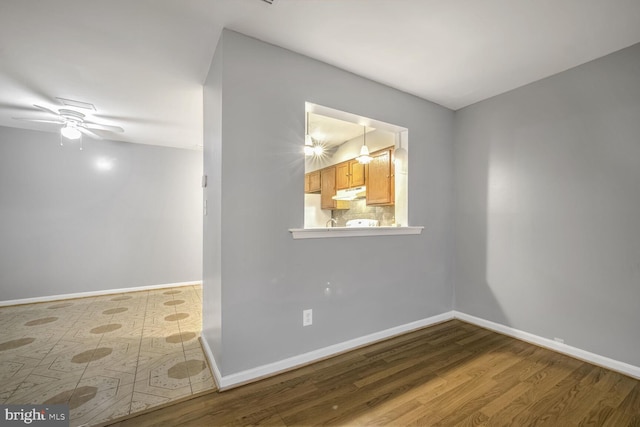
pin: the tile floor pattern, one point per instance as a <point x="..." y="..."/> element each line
<point x="106" y="356"/>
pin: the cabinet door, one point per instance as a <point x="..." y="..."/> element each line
<point x="342" y="176"/>
<point x="380" y="179"/>
<point x="328" y="187"/>
<point x="356" y="173"/>
<point x="312" y="182"/>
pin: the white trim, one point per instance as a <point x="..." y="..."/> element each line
<point x="270" y="369"/>
<point x="596" y="359"/>
<point x="234" y="380"/>
<point x="330" y="232"/>
<point x="217" y="376"/>
<point x="95" y="293"/>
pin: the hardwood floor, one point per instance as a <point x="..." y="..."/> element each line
<point x="449" y="374"/>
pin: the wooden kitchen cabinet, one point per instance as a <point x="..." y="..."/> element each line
<point x="356" y="173"/>
<point x="380" y="178"/>
<point x="349" y="174"/>
<point x="312" y="182"/>
<point x="328" y="190"/>
<point x="342" y="175"/>
<point x="328" y="187"/>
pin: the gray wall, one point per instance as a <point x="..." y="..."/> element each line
<point x="548" y="207"/>
<point x="355" y="286"/>
<point x="212" y="249"/>
<point x="69" y="227"/>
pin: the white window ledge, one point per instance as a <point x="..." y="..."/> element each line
<point x="332" y="232"/>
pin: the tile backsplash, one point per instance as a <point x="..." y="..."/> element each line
<point x="359" y="210"/>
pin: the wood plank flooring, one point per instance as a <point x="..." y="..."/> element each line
<point x="451" y="374"/>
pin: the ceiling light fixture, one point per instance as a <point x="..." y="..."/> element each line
<point x="364" y="157"/>
<point x="401" y="156"/>
<point x="308" y="141"/>
<point x="308" y="150"/>
<point x="70" y="131"/>
<point x="311" y="147"/>
<point x="74" y="123"/>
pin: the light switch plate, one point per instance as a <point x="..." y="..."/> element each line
<point x="307" y="317"/>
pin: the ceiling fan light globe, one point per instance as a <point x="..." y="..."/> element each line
<point x="318" y="150"/>
<point x="70" y="132"/>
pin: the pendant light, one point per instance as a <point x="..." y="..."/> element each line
<point x="401" y="156"/>
<point x="308" y="142"/>
<point x="312" y="148"/>
<point x="364" y="157"/>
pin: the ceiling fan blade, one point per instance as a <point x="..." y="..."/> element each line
<point x="47" y="110"/>
<point x="89" y="133"/>
<point x="91" y="125"/>
<point x="15" y="107"/>
<point x="25" y="119"/>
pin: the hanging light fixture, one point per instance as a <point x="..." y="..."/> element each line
<point x="364" y="157"/>
<point x="308" y="142"/>
<point x="311" y="147"/>
<point x="401" y="156"/>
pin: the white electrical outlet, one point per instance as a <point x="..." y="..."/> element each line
<point x="560" y="340"/>
<point x="307" y="317"/>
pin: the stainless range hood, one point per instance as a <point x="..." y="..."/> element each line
<point x="351" y="193"/>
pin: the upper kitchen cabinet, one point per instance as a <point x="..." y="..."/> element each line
<point x="328" y="190"/>
<point x="356" y="174"/>
<point x="381" y="179"/>
<point x="342" y="176"/>
<point x="349" y="174"/>
<point x="312" y="182"/>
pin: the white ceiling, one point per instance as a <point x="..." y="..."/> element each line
<point x="330" y="131"/>
<point x="142" y="62"/>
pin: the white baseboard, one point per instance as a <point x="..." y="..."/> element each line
<point x="596" y="359"/>
<point x="229" y="381"/>
<point x="94" y="293"/>
<point x="217" y="376"/>
<point x="234" y="380"/>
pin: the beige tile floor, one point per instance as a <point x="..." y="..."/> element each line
<point x="106" y="356"/>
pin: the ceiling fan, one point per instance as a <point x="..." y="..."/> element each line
<point x="73" y="123"/>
